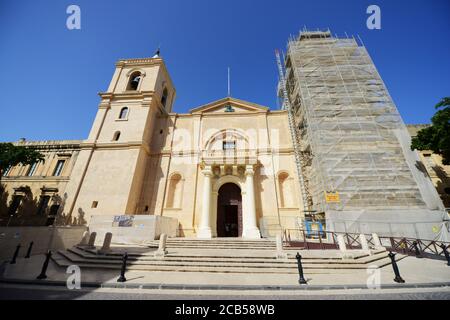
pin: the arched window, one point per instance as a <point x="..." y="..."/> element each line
<point x="133" y="83"/>
<point x="123" y="113"/>
<point x="283" y="187"/>
<point x="164" y="97"/>
<point x="175" y="191"/>
<point x="116" y="136"/>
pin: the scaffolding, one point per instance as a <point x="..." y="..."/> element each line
<point x="346" y="127"/>
<point x="299" y="157"/>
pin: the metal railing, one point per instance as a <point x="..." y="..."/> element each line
<point x="324" y="240"/>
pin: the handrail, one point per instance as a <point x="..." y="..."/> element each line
<point x="327" y="240"/>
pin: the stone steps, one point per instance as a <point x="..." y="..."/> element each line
<point x="220" y="261"/>
<point x="362" y="258"/>
<point x="63" y="261"/>
<point x="218" y="243"/>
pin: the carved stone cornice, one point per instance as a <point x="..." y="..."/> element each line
<point x="109" y="96"/>
<point x="139" y="62"/>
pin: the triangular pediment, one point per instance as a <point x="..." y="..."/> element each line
<point x="228" y="104"/>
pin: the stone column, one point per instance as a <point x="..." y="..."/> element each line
<point x="214" y="199"/>
<point x="250" y="229"/>
<point x="204" y="230"/>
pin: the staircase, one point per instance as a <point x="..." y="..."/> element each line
<point x="218" y="243"/>
<point x="220" y="256"/>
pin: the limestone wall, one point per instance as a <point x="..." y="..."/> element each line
<point x="44" y="238"/>
<point x="138" y="230"/>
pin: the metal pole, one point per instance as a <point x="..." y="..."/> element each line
<point x="124" y="266"/>
<point x="301" y="279"/>
<point x="320" y="240"/>
<point x="305" y="243"/>
<point x="16" y="253"/>
<point x="397" y="278"/>
<point x="29" y="250"/>
<point x="43" y="274"/>
<point x="416" y="249"/>
<point x="447" y="256"/>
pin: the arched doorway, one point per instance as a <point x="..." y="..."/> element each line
<point x="229" y="211"/>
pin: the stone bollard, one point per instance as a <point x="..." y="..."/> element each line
<point x="85" y="239"/>
<point x="377" y="242"/>
<point x="343" y="247"/>
<point x="161" y="252"/>
<point x="106" y="243"/>
<point x="280" y="253"/>
<point x="91" y="243"/>
<point x="341" y="243"/>
<point x="364" y="243"/>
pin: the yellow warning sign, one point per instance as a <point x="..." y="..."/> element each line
<point x="331" y="197"/>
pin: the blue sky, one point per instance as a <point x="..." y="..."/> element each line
<point x="50" y="76"/>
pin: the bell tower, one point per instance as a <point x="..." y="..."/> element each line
<point x="108" y="175"/>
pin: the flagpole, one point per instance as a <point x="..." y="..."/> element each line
<point x="229" y="90"/>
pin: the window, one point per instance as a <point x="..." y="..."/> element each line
<point x="229" y="145"/>
<point x="58" y="168"/>
<point x="164" y="97"/>
<point x="94" y="204"/>
<point x="116" y="136"/>
<point x="43" y="204"/>
<point x="135" y="78"/>
<point x="32" y="169"/>
<point x="15" y="203"/>
<point x="123" y="113"/>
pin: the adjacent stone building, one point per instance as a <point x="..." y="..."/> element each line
<point x="433" y="166"/>
<point x="35" y="194"/>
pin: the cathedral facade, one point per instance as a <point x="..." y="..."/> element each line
<point x="338" y="158"/>
<point x="225" y="169"/>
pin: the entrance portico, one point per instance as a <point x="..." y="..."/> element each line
<point x="215" y="176"/>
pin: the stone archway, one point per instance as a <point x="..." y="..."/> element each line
<point x="229" y="211"/>
<point x="208" y="219"/>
